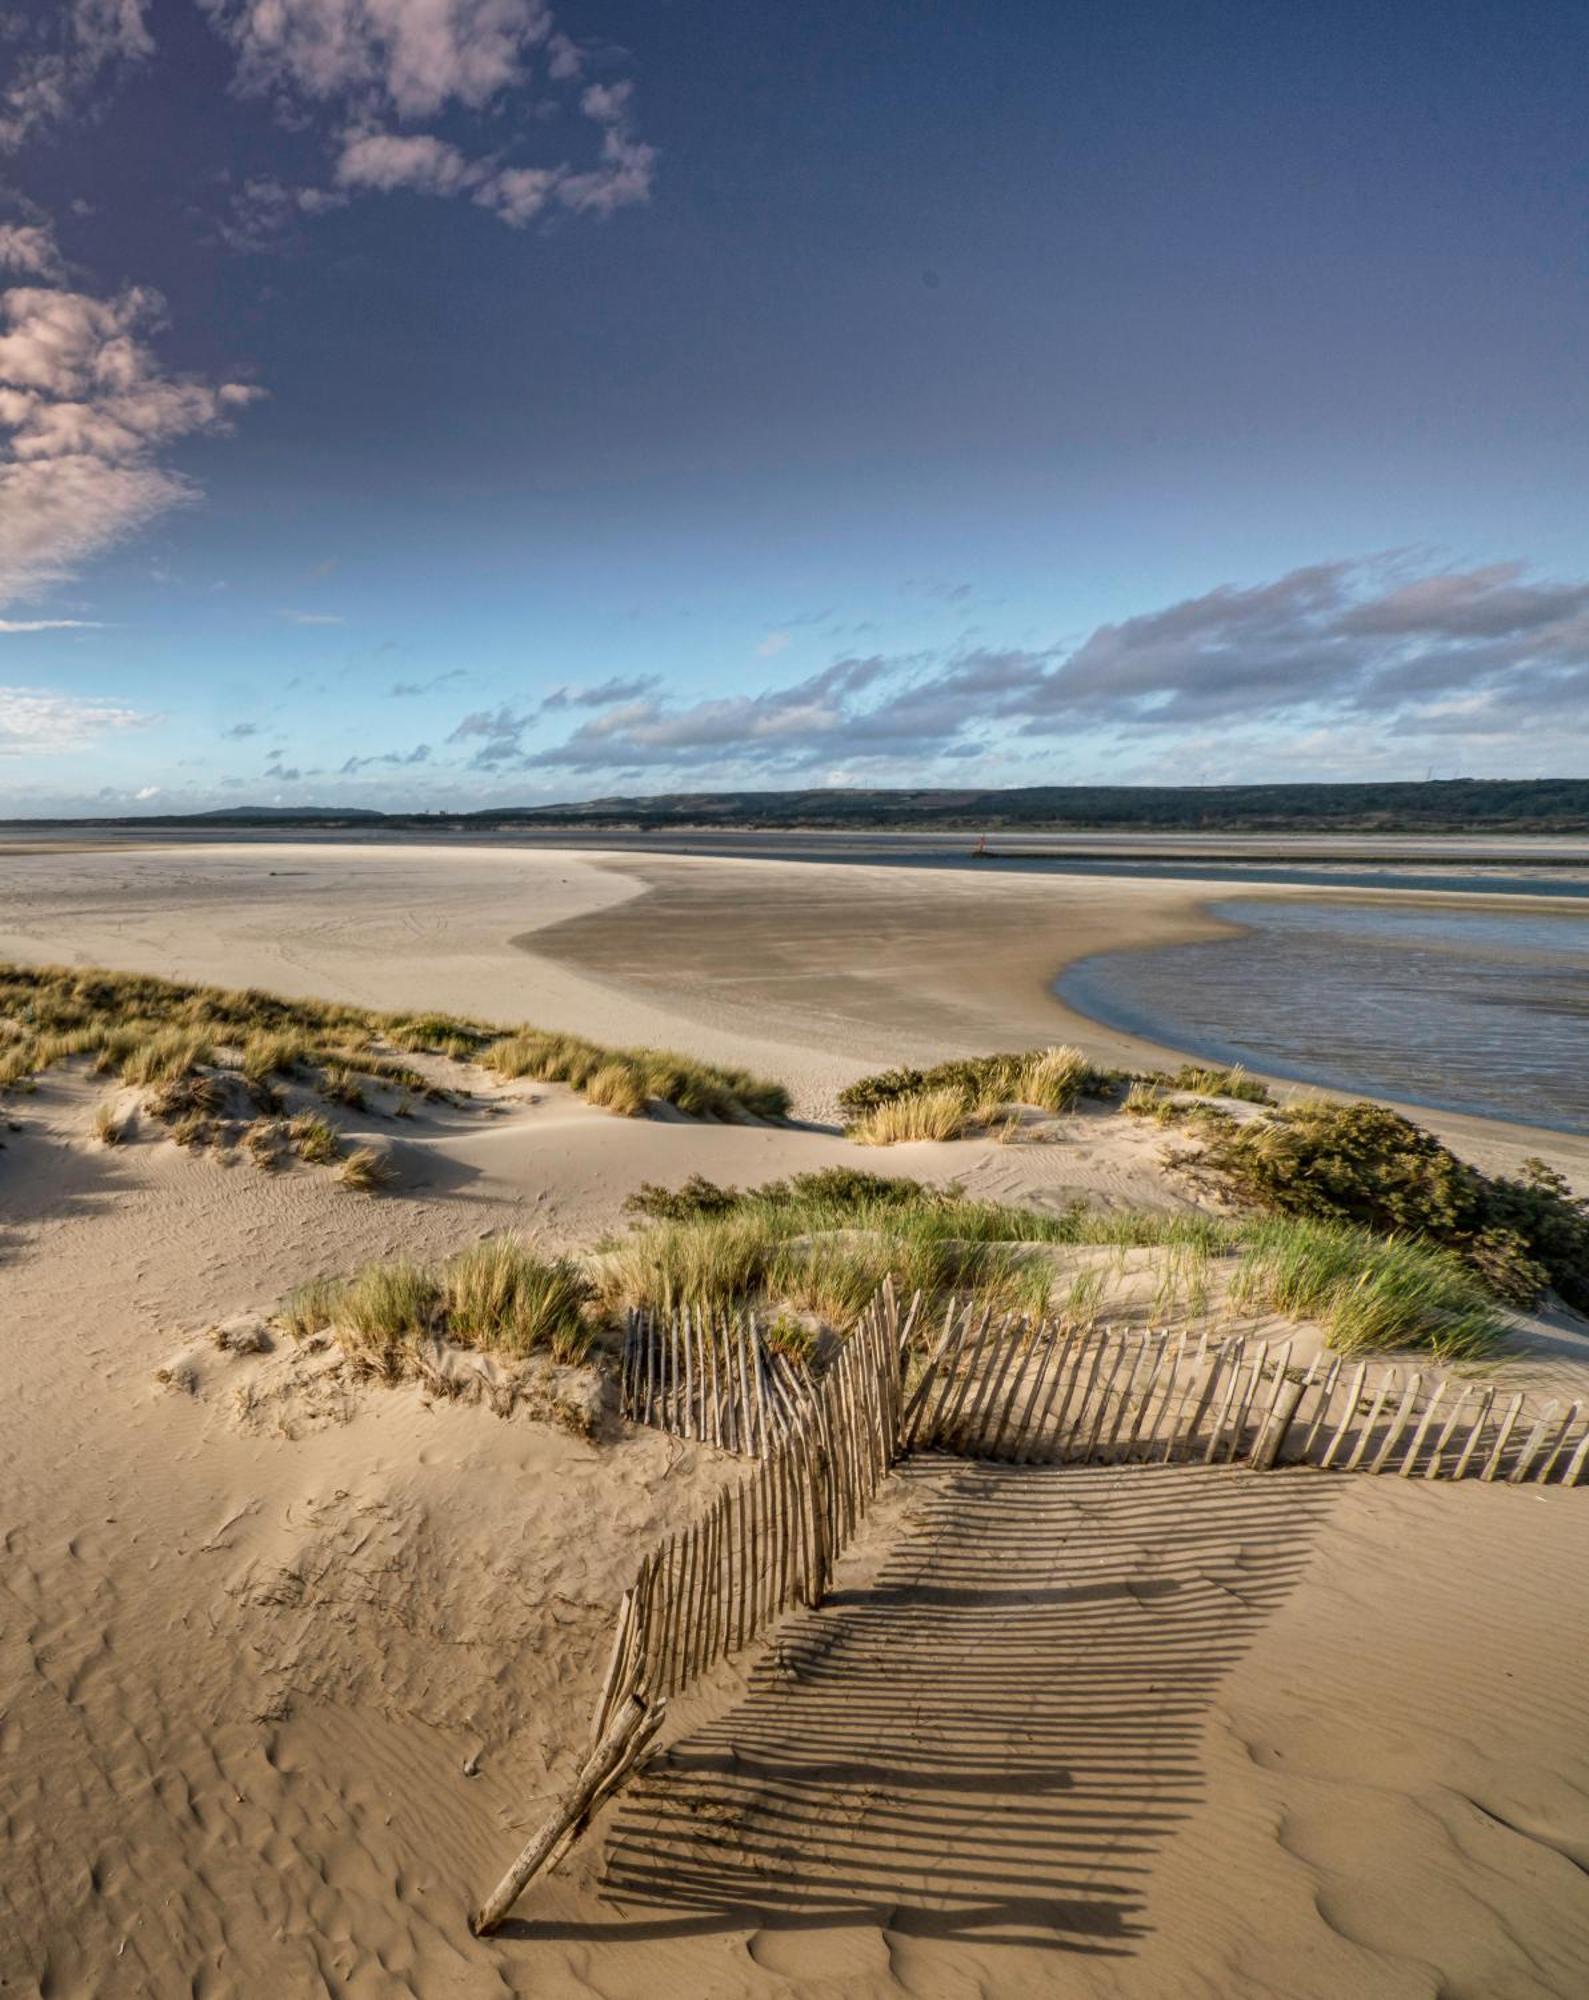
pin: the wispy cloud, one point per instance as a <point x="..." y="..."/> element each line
<point x="404" y="689"/>
<point x="1488" y="654"/>
<point x="30" y="249"/>
<point x="85" y="410"/>
<point x="500" y="731"/>
<point x="599" y="694"/>
<point x="66" y="52"/>
<point x="50" y="625"/>
<point x="396" y="759"/>
<point x="37" y="722"/>
<point x="377" y="69"/>
<point x="313" y="617"/>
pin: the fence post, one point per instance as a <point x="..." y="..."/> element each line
<point x="1266" y="1446"/>
<point x="632" y="1729"/>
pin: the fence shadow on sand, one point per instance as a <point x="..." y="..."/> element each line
<point x="990" y="1740"/>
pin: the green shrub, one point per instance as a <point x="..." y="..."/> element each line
<point x="1364" y="1164"/>
<point x="697" y="1197"/>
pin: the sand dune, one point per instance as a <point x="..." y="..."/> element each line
<point x="1134" y="1734"/>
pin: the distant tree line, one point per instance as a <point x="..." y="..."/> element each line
<point x="1455" y="805"/>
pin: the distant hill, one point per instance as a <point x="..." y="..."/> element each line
<point x="1454" y="805"/>
<point x="267" y="815"/>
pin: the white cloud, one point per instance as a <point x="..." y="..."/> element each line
<point x="774" y="644"/>
<point x="417" y="56"/>
<point x="34" y="722"/>
<point x="64" y="56"/>
<point x="263" y="213"/>
<point x="313" y="618"/>
<point x="50" y="625"/>
<point x="84" y="409"/>
<point x="30" y="248"/>
<point x="518" y="194"/>
<point x="381" y="64"/>
<point x="417" y="160"/>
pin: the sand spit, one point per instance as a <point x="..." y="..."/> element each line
<point x="1132" y="1734"/>
<point x="814" y="974"/>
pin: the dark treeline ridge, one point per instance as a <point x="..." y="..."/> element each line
<point x="1453" y="805"/>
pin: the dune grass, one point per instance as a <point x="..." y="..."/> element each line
<point x="952" y="1098"/>
<point x="626" y="1079"/>
<point x="153" y="1032"/>
<point x="1204" y="1081"/>
<point x="1369" y="1293"/>
<point x="969" y="1093"/>
<point x="109" y="1128"/>
<point x="366" y="1170"/>
<point x="315" y="1139"/>
<point x="823" y="1243"/>
<point x="496" y="1297"/>
<point x="922" y="1114"/>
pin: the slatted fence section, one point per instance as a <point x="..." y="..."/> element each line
<point x="712" y="1379"/>
<point x="1038" y="1392"/>
<point x="771" y="1541"/>
<point x="1384" y="1417"/>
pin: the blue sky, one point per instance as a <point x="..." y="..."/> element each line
<point x="446" y="402"/>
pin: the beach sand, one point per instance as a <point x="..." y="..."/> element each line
<point x="1142" y="1735"/>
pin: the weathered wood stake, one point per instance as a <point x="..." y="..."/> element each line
<point x="572" y="1803"/>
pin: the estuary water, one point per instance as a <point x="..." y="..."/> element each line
<point x="1481" y="1011"/>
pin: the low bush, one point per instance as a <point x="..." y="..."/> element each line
<point x="1367" y="1165"/>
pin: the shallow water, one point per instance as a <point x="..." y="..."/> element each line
<point x="1467" y="1010"/>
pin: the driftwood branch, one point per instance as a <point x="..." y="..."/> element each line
<point x="598" y="1773"/>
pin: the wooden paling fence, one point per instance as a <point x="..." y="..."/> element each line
<point x="770" y="1541"/>
<point x="1010" y="1388"/>
<point x="764" y="1545"/>
<point x="710" y="1378"/>
<point x="1037" y="1392"/>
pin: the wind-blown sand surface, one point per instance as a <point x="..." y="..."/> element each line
<point x="1098" y="1732"/>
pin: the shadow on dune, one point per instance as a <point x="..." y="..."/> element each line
<point x="991" y="1741"/>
